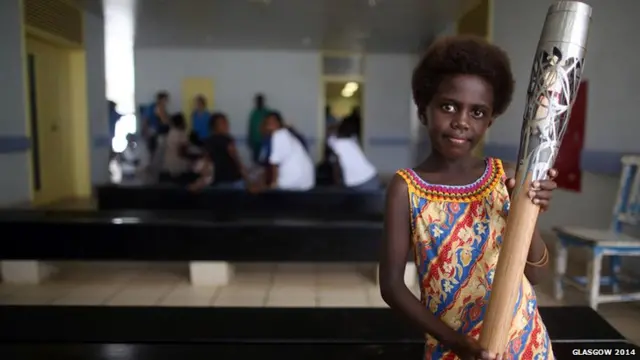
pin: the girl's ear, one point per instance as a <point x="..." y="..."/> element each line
<point x="423" y="117"/>
<point x="490" y="123"/>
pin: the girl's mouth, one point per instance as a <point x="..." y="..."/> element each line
<point x="457" y="140"/>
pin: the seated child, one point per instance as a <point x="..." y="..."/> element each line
<point x="130" y="158"/>
<point x="176" y="165"/>
<point x="290" y="163"/>
<point x="221" y="150"/>
<point x="357" y="171"/>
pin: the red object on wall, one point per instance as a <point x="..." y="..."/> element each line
<point x="568" y="161"/>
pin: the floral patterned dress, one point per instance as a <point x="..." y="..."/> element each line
<point x="457" y="232"/>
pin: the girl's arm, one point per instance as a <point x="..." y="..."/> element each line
<point x="274" y="177"/>
<point x="162" y="114"/>
<point x="336" y="173"/>
<point x="233" y="152"/>
<point x="205" y="170"/>
<point x="393" y="260"/>
<point x="537" y="249"/>
<point x="280" y="150"/>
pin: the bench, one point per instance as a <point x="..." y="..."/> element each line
<point x="228" y="333"/>
<point x="114" y="197"/>
<point x="208" y="242"/>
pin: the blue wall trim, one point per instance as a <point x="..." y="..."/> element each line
<point x="388" y="141"/>
<point x="14" y="144"/>
<point x="241" y="139"/>
<point x="593" y="161"/>
<point x="373" y="140"/>
<point x="101" y="141"/>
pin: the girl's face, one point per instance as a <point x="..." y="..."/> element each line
<point x="200" y="104"/>
<point x="459" y="114"/>
<point x="222" y="126"/>
<point x="271" y="124"/>
<point x="163" y="101"/>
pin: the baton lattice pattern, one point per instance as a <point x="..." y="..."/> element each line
<point x="552" y="91"/>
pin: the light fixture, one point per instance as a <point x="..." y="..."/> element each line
<point x="346" y="93"/>
<point x="349" y="89"/>
<point x="351" y="86"/>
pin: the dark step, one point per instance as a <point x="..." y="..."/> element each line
<point x="48" y="351"/>
<point x="253" y="325"/>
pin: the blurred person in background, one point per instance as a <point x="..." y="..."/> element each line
<point x="254" y="134"/>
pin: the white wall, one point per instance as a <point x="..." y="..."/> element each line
<point x="612" y="119"/>
<point x="387" y="110"/>
<point x="14" y="182"/>
<point x="291" y="82"/>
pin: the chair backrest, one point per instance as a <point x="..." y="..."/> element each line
<point x="627" y="208"/>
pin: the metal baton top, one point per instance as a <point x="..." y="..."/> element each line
<point x="567" y="22"/>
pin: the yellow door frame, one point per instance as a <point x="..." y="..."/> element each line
<point x="324" y="79"/>
<point x="192" y="87"/>
<point x="77" y="131"/>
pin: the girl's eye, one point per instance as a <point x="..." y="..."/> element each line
<point x="478" y="113"/>
<point x="448" y="108"/>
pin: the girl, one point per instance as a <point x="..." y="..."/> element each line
<point x="176" y="165"/>
<point x="221" y="149"/>
<point x="452" y="210"/>
<point x="290" y="163"/>
<point x="357" y="172"/>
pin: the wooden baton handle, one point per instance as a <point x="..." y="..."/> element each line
<point x="507" y="280"/>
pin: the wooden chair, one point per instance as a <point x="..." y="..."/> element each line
<point x="612" y="242"/>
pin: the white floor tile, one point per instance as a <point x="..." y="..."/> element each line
<point x="185" y="296"/>
<point x="147" y="295"/>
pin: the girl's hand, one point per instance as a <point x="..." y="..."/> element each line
<point x="541" y="191"/>
<point x="469" y="348"/>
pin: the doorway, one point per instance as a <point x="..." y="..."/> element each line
<point x="342" y="100"/>
<point x="57" y="121"/>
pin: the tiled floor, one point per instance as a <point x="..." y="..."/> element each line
<point x="254" y="285"/>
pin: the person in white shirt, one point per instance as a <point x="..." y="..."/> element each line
<point x="357" y="171"/>
<point x="130" y="158"/>
<point x="176" y="166"/>
<point x="291" y="165"/>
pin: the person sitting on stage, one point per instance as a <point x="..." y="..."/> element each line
<point x="221" y="150"/>
<point x="453" y="207"/>
<point x="290" y="163"/>
<point x="176" y="164"/>
<point x="357" y="172"/>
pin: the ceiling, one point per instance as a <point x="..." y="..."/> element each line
<point x="339" y="25"/>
